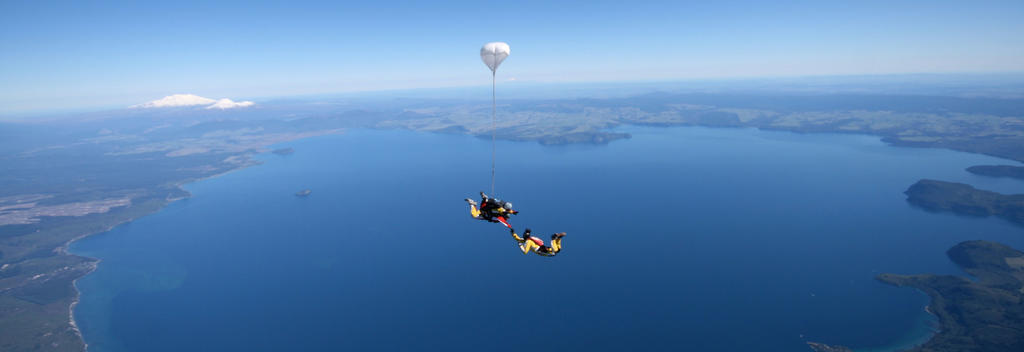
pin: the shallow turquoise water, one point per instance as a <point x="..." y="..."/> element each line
<point x="679" y="239"/>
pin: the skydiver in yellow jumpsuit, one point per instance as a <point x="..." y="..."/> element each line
<point x="529" y="243"/>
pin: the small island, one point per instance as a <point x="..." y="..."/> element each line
<point x="283" y="151"/>
<point x="963" y="199"/>
<point x="998" y="171"/>
<point x="303" y="193"/>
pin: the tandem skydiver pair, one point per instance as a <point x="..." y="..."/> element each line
<point x="496" y="210"/>
<point x="491" y="209"/>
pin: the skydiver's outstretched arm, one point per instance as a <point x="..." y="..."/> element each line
<point x="514" y="235"/>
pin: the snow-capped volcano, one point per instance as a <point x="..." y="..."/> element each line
<point x="177" y="100"/>
<point x="228" y="104"/>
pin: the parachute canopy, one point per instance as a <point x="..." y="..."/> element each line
<point x="493" y="54"/>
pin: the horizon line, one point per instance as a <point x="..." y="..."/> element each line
<point x="30" y="113"/>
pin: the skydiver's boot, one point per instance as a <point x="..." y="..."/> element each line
<point x="470" y="201"/>
<point x="556" y="242"/>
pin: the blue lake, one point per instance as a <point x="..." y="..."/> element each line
<point x="690" y="239"/>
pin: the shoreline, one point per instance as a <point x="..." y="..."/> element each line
<point x="74" y="302"/>
<point x="65" y="249"/>
<point x="911" y="343"/>
<point x="963" y="303"/>
<point x="930" y="323"/>
<point x="886" y="140"/>
<point x="905" y="343"/>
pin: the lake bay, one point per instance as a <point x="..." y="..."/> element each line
<point x="693" y="239"/>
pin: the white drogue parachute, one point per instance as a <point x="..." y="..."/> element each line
<point x="493" y="54"/>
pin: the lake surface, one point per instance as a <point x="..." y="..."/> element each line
<point x="691" y="239"/>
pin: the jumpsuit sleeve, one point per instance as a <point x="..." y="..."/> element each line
<point x="525" y="247"/>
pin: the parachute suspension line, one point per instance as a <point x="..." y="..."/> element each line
<point x="492" y="54"/>
<point x="494" y="110"/>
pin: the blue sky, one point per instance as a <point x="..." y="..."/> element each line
<point x="106" y="54"/>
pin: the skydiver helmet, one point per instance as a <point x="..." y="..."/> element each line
<point x="508" y="206"/>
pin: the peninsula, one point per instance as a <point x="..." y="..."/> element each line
<point x="985" y="315"/>
<point x="998" y="171"/>
<point x="963" y="199"/>
<point x="982" y="315"/>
